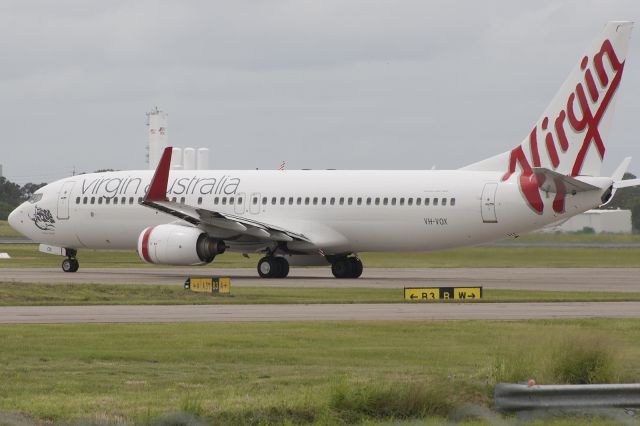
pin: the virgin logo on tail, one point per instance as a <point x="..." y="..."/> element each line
<point x="582" y="114"/>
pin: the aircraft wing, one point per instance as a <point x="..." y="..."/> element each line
<point x="156" y="198"/>
<point x="550" y="181"/>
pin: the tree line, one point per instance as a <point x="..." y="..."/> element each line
<point x="12" y="195"/>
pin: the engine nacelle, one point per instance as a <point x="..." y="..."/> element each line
<point x="177" y="245"/>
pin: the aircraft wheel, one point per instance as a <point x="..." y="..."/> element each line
<point x="341" y="268"/>
<point x="70" y="265"/>
<point x="267" y="267"/>
<point x="283" y="267"/>
<point x="356" y="267"/>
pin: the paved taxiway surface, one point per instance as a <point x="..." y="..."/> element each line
<point x="345" y="312"/>
<point x="567" y="279"/>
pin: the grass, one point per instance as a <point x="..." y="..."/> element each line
<point x="37" y="294"/>
<point x="575" y="237"/>
<point x="7" y="231"/>
<point x="27" y="255"/>
<point x="282" y="373"/>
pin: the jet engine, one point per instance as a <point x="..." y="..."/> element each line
<point x="178" y="245"/>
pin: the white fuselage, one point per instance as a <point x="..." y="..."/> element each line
<point x="338" y="211"/>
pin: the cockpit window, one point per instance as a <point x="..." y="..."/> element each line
<point x="35" y="198"/>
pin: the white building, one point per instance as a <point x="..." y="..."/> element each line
<point x="602" y="221"/>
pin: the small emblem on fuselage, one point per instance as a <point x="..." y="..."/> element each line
<point x="43" y="219"/>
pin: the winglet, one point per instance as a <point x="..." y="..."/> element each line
<point x="158" y="188"/>
<point x="620" y="171"/>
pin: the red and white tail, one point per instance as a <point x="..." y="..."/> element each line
<point x="570" y="136"/>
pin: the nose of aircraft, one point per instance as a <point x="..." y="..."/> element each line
<point x="14" y="219"/>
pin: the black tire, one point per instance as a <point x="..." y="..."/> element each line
<point x="266" y="267"/>
<point x="283" y="267"/>
<point x="75" y="265"/>
<point x="70" y="265"/>
<point x="341" y="268"/>
<point x="356" y="267"/>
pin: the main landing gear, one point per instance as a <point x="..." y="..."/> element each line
<point x="273" y="267"/>
<point x="70" y="264"/>
<point x="346" y="267"/>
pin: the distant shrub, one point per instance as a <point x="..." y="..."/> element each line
<point x="588" y="230"/>
<point x="352" y="403"/>
<point x="584" y="361"/>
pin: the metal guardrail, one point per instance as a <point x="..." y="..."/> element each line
<point x="511" y="397"/>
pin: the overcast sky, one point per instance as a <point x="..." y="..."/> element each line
<point x="321" y="84"/>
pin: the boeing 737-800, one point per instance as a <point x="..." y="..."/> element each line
<point x="190" y="217"/>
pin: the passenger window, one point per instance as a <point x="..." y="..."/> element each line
<point x="385" y="201"/>
<point x="99" y="200"/>
<point x="333" y="201"/>
<point x="410" y="201"/>
<point x="341" y="200"/>
<point x="306" y="201"/>
<point x="359" y="201"/>
<point x="290" y="201"/>
<point x="182" y="200"/>
<point x="453" y="202"/>
<point x="254" y="200"/>
<point x="315" y="201"/>
<point x="224" y="201"/>
<point x="273" y="201"/>
<point x="139" y="200"/>
<point x="93" y="200"/>
<point x="77" y="200"/>
<point x="107" y="200"/>
<point x="350" y="200"/>
<point x="199" y="200"/>
<point x="84" y="200"/>
<point x="299" y="201"/>
<point x="368" y="201"/>
<point x="324" y="201"/>
<point x="418" y="201"/>
<point x="239" y="200"/>
<point x="402" y="201"/>
<point x="282" y="201"/>
<point x="215" y="201"/>
<point x="377" y="201"/>
<point x="444" y="201"/>
<point x="123" y="200"/>
<point x="393" y="201"/>
<point x="130" y="200"/>
<point x="435" y="201"/>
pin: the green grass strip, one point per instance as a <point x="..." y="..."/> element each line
<point x="25" y="294"/>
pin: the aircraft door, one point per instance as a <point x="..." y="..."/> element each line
<point x="488" y="203"/>
<point x="240" y="200"/>
<point x="63" y="200"/>
<point x="254" y="203"/>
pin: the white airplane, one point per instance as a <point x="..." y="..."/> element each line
<point x="305" y="217"/>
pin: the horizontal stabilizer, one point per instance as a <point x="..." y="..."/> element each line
<point x="626" y="183"/>
<point x="550" y="181"/>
